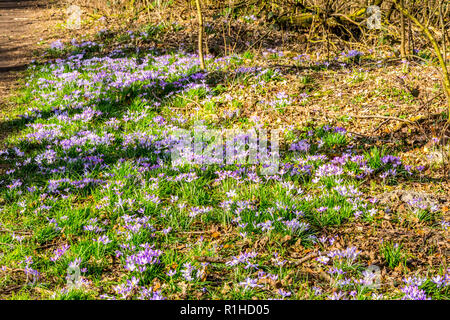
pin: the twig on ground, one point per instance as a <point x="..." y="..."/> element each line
<point x="319" y="274"/>
<point x="15" y="231"/>
<point x="382" y="117"/>
<point x="211" y="259"/>
<point x="193" y="101"/>
<point x="306" y="258"/>
<point x="383" y="123"/>
<point x="258" y="40"/>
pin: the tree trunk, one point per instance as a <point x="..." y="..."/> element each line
<point x="200" y="34"/>
<point x="402" y="33"/>
<point x="436" y="49"/>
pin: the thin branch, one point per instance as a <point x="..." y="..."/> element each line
<point x="382" y="117"/>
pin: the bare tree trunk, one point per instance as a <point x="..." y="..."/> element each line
<point x="424" y="28"/>
<point x="402" y="33"/>
<point x="200" y="34"/>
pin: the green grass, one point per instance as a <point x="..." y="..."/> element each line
<point x="89" y="183"/>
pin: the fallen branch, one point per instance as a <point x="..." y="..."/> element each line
<point x="16" y="231"/>
<point x="6" y="244"/>
<point x="262" y="37"/>
<point x="193" y="101"/>
<point x="382" y="124"/>
<point x="211" y="259"/>
<point x="319" y="274"/>
<point x="306" y="258"/>
<point x="382" y="117"/>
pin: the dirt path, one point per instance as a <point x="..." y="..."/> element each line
<point x="23" y="23"/>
